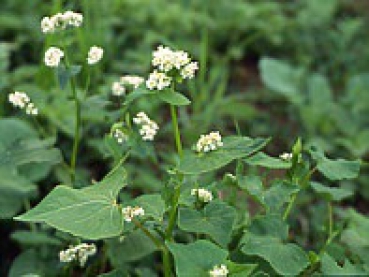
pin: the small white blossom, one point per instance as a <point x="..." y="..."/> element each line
<point x="188" y="72"/>
<point x="163" y="58"/>
<point x="132" y="80"/>
<point x="149" y="128"/>
<point x="219" y="271"/>
<point x="286" y="156"/>
<point x="53" y="55"/>
<point x="158" y="80"/>
<point x="202" y="194"/>
<point x="95" y="54"/>
<point x="61" y="21"/>
<point x="180" y="59"/>
<point x="120" y="136"/>
<point x="79" y="253"/>
<point x="130" y="212"/>
<point x="21" y="100"/>
<point x="117" y="89"/>
<point x="209" y="142"/>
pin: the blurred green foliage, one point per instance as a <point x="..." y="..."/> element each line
<point x="274" y="68"/>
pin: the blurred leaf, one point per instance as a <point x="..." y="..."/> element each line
<point x="329" y="193"/>
<point x="65" y="74"/>
<point x="153" y="205"/>
<point x="330" y="267"/>
<point x="262" y="159"/>
<point x="34" y="238"/>
<point x="282" y="78"/>
<point x="174" y="98"/>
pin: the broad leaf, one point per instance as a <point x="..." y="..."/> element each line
<point x="196" y="259"/>
<point x="253" y="185"/>
<point x="330" y="193"/>
<point x="269" y="226"/>
<point x="278" y="194"/>
<point x="329" y="267"/>
<point x="91" y="213"/>
<point x="240" y="270"/>
<point x="216" y="220"/>
<point x="282" y="78"/>
<point x="234" y="148"/>
<point x="286" y="259"/>
<point x="65" y="74"/>
<point x="153" y="205"/>
<point x="132" y="247"/>
<point x="335" y="169"/>
<point x="136" y="94"/>
<point x="35" y="238"/>
<point x="262" y="159"/>
<point x="173" y="97"/>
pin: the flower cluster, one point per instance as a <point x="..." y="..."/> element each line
<point x="53" y="55"/>
<point x="95" y="54"/>
<point x="149" y="128"/>
<point x="158" y="80"/>
<point x="130" y="212"/>
<point x="78" y="253"/>
<point x="169" y="64"/>
<point x="219" y="271"/>
<point x="131" y="80"/>
<point x="128" y="81"/>
<point x="209" y="142"/>
<point x="286" y="156"/>
<point x="120" y="136"/>
<point x="202" y="194"/>
<point x="21" y="100"/>
<point x="61" y="21"/>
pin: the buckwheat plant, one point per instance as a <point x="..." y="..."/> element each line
<point x="225" y="208"/>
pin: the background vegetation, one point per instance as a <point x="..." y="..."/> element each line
<point x="268" y="68"/>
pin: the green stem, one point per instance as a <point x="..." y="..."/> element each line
<point x="167" y="263"/>
<point x="77" y="128"/>
<point x="177" y="134"/>
<point x="289" y="207"/>
<point x="27" y="205"/>
<point x="157" y="242"/>
<point x="173" y="214"/>
<point x="330" y="219"/>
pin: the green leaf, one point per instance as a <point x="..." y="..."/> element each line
<point x="14" y="190"/>
<point x="329" y="193"/>
<point x="34" y="238"/>
<point x="335" y="169"/>
<point x="240" y="270"/>
<point x="216" y="220"/>
<point x="91" y="213"/>
<point x="132" y="247"/>
<point x="253" y="185"/>
<point x="27" y="264"/>
<point x="286" y="259"/>
<point x="64" y="74"/>
<point x="329" y="267"/>
<point x="282" y="78"/>
<point x="278" y="194"/>
<point x="153" y="205"/>
<point x="234" y="148"/>
<point x="173" y="97"/>
<point x="137" y="93"/>
<point x="270" y="225"/>
<point x="196" y="259"/>
<point x="262" y="159"/>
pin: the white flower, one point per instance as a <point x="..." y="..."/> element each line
<point x="61" y="21"/>
<point x="286" y="156"/>
<point x="158" y="80"/>
<point x="132" y="80"/>
<point x="180" y="59"/>
<point x="219" y="271"/>
<point x="149" y="128"/>
<point x="120" y="136"/>
<point x="79" y="253"/>
<point x="202" y="194"/>
<point x="163" y="58"/>
<point x="118" y="89"/>
<point x="130" y="212"/>
<point x="53" y="55"/>
<point x="21" y="100"/>
<point x="188" y="72"/>
<point x="209" y="142"/>
<point x="95" y="55"/>
<point x="47" y="25"/>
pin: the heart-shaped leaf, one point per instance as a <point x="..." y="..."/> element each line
<point x="329" y="193"/>
<point x="234" y="148"/>
<point x="216" y="220"/>
<point x="91" y="213"/>
<point x="196" y="259"/>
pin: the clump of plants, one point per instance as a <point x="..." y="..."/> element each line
<point x="224" y="207"/>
